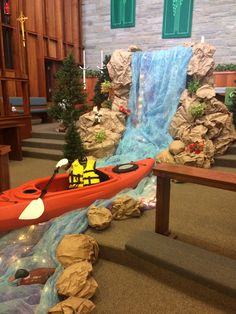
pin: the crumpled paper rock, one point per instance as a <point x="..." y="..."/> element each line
<point x="206" y="91"/>
<point x="134" y="48"/>
<point x="176" y="147"/>
<point x="112" y="125"/>
<point x="216" y="124"/>
<point x="119" y="68"/>
<point x="73" y="305"/>
<point x="125" y="207"/>
<point x="77" y="281"/>
<point x="202" y="63"/>
<point x="203" y="160"/>
<point x="99" y="218"/>
<point x="75" y="248"/>
<point x="165" y="156"/>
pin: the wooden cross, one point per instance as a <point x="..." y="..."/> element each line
<point x="22" y="20"/>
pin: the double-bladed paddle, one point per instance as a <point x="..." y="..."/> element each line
<point x="36" y="207"/>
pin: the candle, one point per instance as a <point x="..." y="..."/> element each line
<point x="84" y="69"/>
<point x="84" y="58"/>
<point x="101" y="58"/>
<point x="202" y="39"/>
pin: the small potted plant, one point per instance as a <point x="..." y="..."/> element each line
<point x="225" y="75"/>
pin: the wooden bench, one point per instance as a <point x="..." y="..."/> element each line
<point x="10" y="134"/>
<point x="38" y="106"/>
<point x="4" y="168"/>
<point x="165" y="172"/>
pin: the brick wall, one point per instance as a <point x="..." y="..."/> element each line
<point x="216" y="20"/>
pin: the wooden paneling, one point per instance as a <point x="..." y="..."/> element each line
<point x="52" y="48"/>
<point x="68" y="22"/>
<point x="29" y="11"/>
<point x="52" y="30"/>
<point x="51" y="18"/>
<point x="32" y="64"/>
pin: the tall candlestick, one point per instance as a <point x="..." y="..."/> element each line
<point x="84" y="69"/>
<point x="101" y="59"/>
<point x="202" y="39"/>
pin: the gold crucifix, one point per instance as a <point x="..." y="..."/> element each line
<point x="22" y="20"/>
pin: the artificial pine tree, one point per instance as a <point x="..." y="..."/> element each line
<point x="68" y="94"/>
<point x="73" y="149"/>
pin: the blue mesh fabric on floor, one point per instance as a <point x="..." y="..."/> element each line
<point x="158" y="79"/>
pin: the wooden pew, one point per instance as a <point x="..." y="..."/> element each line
<point x="165" y="172"/>
<point x="10" y="134"/>
<point x="4" y="168"/>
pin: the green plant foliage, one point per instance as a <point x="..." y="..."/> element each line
<point x="225" y="67"/>
<point x="91" y="73"/>
<point x="100" y="97"/>
<point x="197" y="109"/>
<point x="193" y="86"/>
<point x="73" y="149"/>
<point x="230" y="101"/>
<point x="106" y="104"/>
<point x="100" y="136"/>
<point x="106" y="87"/>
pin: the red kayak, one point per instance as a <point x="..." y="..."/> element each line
<point x="59" y="199"/>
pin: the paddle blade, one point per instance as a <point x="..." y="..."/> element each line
<point x="33" y="211"/>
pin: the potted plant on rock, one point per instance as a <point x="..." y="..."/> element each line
<point x="225" y="75"/>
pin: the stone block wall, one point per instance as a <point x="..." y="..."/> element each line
<point x="216" y="20"/>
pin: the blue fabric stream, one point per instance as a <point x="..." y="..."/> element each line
<point x="158" y="79"/>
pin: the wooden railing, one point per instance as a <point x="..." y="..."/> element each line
<point x="165" y="172"/>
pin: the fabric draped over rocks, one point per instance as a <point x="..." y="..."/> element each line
<point x="73" y="305"/>
<point x="99" y="217"/>
<point x="119" y="69"/>
<point x="76" y="280"/>
<point x="74" y="248"/>
<point x="112" y="125"/>
<point x="125" y="207"/>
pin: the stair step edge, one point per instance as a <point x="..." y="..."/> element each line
<point x="194" y="262"/>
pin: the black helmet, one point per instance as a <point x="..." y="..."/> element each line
<point x="21" y="273"/>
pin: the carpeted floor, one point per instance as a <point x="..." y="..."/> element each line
<point x="201" y="216"/>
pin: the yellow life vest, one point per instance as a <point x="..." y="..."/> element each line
<point x="76" y="175"/>
<point x="83" y="176"/>
<point x="89" y="176"/>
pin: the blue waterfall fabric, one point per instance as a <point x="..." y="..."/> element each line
<point x="158" y="79"/>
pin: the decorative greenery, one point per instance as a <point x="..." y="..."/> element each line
<point x="197" y="109"/>
<point x="106" y="87"/>
<point x="100" y="136"/>
<point x="193" y="86"/>
<point x="107" y="104"/>
<point x="99" y="97"/>
<point x="230" y="101"/>
<point x="68" y="94"/>
<point x="92" y="73"/>
<point x="225" y="67"/>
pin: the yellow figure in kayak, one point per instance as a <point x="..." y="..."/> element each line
<point x="83" y="175"/>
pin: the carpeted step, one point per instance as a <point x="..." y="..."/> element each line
<point x="228" y="160"/>
<point x="51" y="135"/>
<point x="42" y="153"/>
<point x="43" y="143"/>
<point x="232" y="149"/>
<point x="206" y="267"/>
